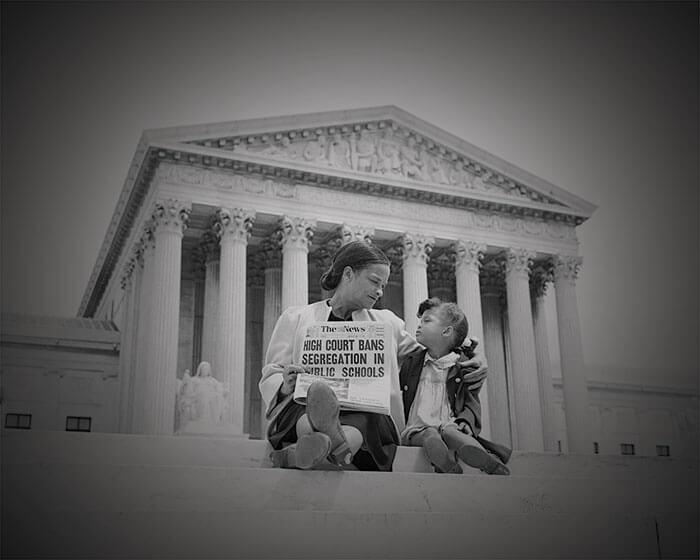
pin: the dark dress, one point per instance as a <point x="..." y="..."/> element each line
<point x="378" y="432"/>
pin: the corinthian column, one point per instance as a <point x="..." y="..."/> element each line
<point x="468" y="261"/>
<point x="348" y="233"/>
<point x="137" y="398"/>
<point x="210" y="323"/>
<point x="127" y="349"/>
<point x="493" y="289"/>
<point x="170" y="219"/>
<point x="295" y="238"/>
<point x="416" y="251"/>
<point x="573" y="371"/>
<point x="272" y="266"/>
<point x="528" y="414"/>
<point x="541" y="275"/>
<point x="233" y="227"/>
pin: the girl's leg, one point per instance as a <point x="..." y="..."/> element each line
<point x="438" y="453"/>
<point x="471" y="452"/>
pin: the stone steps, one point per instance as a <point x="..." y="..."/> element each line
<point x="110" y="495"/>
<point x="74" y="447"/>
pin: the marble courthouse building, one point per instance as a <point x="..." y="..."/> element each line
<point x="220" y="227"/>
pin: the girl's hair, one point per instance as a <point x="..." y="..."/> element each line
<point x="451" y="314"/>
<point x="357" y="255"/>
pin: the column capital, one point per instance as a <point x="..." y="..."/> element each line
<point x="492" y="278"/>
<point x="441" y="269"/>
<point x="209" y="244"/>
<point x="541" y="274"/>
<point x="170" y="216"/>
<point x="127" y="277"/>
<point x="566" y="267"/>
<point x="469" y="254"/>
<point x="394" y="252"/>
<point x="255" y="267"/>
<point x="145" y="243"/>
<point x="269" y="253"/>
<point x="518" y="262"/>
<point x="417" y="248"/>
<point x="234" y="224"/>
<point x="296" y="233"/>
<point x="348" y="233"/>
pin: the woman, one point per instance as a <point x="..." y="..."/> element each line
<point x="304" y="436"/>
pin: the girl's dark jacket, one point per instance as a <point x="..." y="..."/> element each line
<point x="463" y="386"/>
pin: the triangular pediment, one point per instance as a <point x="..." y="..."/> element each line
<point x="379" y="144"/>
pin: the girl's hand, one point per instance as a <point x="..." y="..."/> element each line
<point x="289" y="374"/>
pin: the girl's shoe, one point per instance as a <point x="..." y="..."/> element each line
<point x="474" y="455"/>
<point x="440" y="456"/>
<point x="323" y="410"/>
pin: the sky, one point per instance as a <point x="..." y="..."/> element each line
<point x="599" y="98"/>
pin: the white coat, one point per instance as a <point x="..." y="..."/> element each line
<point x="286" y="342"/>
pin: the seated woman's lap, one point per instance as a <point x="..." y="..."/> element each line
<point x="379" y="435"/>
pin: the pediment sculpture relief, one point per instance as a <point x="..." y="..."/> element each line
<point x="387" y="153"/>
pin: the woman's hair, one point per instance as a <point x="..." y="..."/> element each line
<point x="357" y="255"/>
<point x="451" y="314"/>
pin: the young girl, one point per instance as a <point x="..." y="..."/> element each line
<point x="441" y="399"/>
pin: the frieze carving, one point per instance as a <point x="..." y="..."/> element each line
<point x="566" y="268"/>
<point x="469" y="254"/>
<point x="296" y="233"/>
<point x="518" y="261"/>
<point x="183" y="174"/>
<point x="383" y="149"/>
<point x="417" y="248"/>
<point x="466" y="218"/>
<point x="170" y="216"/>
<point x="235" y="224"/>
<point x="541" y="275"/>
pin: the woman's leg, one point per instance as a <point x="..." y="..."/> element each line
<point x="323" y="415"/>
<point x="438" y="453"/>
<point x="309" y="451"/>
<point x="471" y="452"/>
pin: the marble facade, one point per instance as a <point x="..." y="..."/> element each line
<point x="220" y="227"/>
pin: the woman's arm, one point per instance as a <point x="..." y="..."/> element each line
<point x="279" y="354"/>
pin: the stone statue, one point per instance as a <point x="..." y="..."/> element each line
<point x="364" y="157"/>
<point x="201" y="400"/>
<point x="315" y="150"/>
<point x="411" y="161"/>
<point x="437" y="173"/>
<point x="389" y="160"/>
<point x="339" y="152"/>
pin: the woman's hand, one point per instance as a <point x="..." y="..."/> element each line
<point x="289" y="374"/>
<point x="473" y="372"/>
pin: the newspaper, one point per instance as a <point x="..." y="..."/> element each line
<point x="351" y="357"/>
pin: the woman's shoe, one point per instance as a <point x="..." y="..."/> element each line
<point x="308" y="452"/>
<point x="323" y="411"/>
